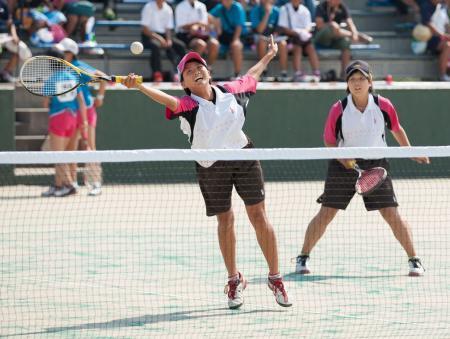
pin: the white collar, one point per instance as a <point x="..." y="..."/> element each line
<point x="369" y="102"/>
<point x="200" y="100"/>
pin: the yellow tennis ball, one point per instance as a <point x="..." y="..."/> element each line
<point x="136" y="47"/>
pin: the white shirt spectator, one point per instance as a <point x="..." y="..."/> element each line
<point x="157" y="19"/>
<point x="186" y="13"/>
<point x="440" y="18"/>
<point x="291" y="18"/>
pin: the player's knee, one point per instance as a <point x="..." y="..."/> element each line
<point x="225" y="221"/>
<point x="326" y="214"/>
<point x="236" y="45"/>
<point x="258" y="218"/>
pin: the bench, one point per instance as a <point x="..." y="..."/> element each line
<point x="118" y="23"/>
<point x="380" y="3"/>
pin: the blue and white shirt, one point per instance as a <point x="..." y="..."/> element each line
<point x="68" y="101"/>
<point x="88" y="98"/>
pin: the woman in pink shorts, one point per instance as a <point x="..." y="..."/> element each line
<point x="87" y="125"/>
<point x="62" y="125"/>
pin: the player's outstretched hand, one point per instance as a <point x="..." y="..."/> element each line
<point x="422" y="160"/>
<point x="131" y="81"/>
<point x="272" y="48"/>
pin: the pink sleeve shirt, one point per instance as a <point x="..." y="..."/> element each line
<point x="342" y="121"/>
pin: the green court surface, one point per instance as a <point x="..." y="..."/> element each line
<point x="144" y="261"/>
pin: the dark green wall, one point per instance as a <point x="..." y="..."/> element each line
<point x="276" y="118"/>
<point x="7" y="119"/>
<point x="7" y="130"/>
<point x="288" y="118"/>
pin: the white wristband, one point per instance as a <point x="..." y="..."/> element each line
<point x="100" y="96"/>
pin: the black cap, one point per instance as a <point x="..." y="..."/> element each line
<point x="358" y="65"/>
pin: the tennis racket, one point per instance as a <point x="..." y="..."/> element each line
<point x="369" y="180"/>
<point x="49" y="76"/>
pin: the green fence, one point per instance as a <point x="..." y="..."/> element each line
<point x="276" y="118"/>
<point x="7" y="128"/>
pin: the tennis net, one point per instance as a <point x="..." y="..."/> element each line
<point x="143" y="260"/>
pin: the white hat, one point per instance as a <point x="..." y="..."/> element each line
<point x="67" y="45"/>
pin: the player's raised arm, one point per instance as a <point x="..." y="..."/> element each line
<point x="155" y="94"/>
<point x="257" y="69"/>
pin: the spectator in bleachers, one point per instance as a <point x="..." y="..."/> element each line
<point x="157" y="23"/>
<point x="78" y="14"/>
<point x="310" y="4"/>
<point x="10" y="41"/>
<point x="210" y="4"/>
<point x="193" y="28"/>
<point x="232" y="23"/>
<point x="403" y="6"/>
<point x="295" y="22"/>
<point x="335" y="29"/>
<point x="435" y="15"/>
<point x="264" y="19"/>
<point x="109" y="9"/>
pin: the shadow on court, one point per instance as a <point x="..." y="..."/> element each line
<point x="312" y="278"/>
<point x="147" y="320"/>
<point x="22" y="197"/>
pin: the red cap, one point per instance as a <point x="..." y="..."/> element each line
<point x="189" y="57"/>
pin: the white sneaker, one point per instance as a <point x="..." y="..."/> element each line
<point x="235" y="289"/>
<point x="301" y="266"/>
<point x="277" y="287"/>
<point x="95" y="190"/>
<point x="299" y="77"/>
<point x="65" y="191"/>
<point x="415" y="267"/>
<point x="49" y="193"/>
<point x="284" y="78"/>
<point x="445" y="77"/>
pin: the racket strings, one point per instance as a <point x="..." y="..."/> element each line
<point x="369" y="180"/>
<point x="48" y="76"/>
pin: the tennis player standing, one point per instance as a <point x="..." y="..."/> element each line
<point x="87" y="125"/>
<point x="359" y="120"/>
<point x="62" y="125"/>
<point x="213" y="117"/>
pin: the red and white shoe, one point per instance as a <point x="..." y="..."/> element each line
<point x="235" y="289"/>
<point x="277" y="287"/>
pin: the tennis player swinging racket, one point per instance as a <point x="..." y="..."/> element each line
<point x="359" y="120"/>
<point x="213" y="117"/>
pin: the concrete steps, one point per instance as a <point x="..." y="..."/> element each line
<point x="31" y="121"/>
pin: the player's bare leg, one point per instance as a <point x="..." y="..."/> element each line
<point x="268" y="243"/>
<point x="227" y="241"/>
<point x="314" y="232"/>
<point x="400" y="229"/>
<point x="317" y="227"/>
<point x="265" y="234"/>
<point x="402" y="233"/>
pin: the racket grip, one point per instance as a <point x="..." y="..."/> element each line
<point x="120" y="78"/>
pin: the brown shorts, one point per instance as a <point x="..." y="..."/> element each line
<point x="340" y="187"/>
<point x="216" y="183"/>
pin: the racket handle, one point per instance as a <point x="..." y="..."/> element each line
<point x="353" y="164"/>
<point x="120" y="78"/>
